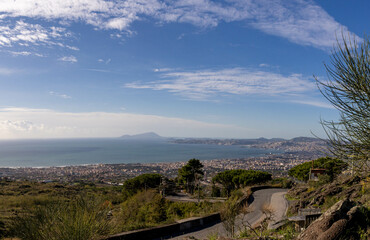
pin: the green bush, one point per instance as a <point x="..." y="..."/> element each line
<point x="144" y="181"/>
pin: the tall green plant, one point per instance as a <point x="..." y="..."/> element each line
<point x="190" y="173"/>
<point x="348" y="90"/>
<point x="81" y="219"/>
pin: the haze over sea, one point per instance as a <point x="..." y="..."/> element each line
<point x="66" y="152"/>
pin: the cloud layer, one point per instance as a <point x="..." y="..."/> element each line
<point x="43" y="123"/>
<point x="208" y="83"/>
<point x="301" y="22"/>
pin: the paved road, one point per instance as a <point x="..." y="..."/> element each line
<point x="274" y="198"/>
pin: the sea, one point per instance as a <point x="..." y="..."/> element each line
<point x="68" y="152"/>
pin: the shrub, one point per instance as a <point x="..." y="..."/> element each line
<point x="79" y="219"/>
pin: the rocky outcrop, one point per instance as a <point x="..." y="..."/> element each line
<point x="334" y="222"/>
<point x="345" y="187"/>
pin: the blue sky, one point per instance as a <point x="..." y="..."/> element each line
<point x="195" y="68"/>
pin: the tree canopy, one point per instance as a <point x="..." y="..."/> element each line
<point x="147" y="180"/>
<point x="233" y="179"/>
<point x="332" y="166"/>
<point x="192" y="171"/>
<point x="348" y="89"/>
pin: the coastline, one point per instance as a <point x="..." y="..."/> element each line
<point x="277" y="164"/>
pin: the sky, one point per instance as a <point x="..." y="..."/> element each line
<point x="191" y="68"/>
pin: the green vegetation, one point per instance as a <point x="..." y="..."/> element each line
<point x="333" y="167"/>
<point x="142" y="182"/>
<point x="81" y="219"/>
<point x="33" y="203"/>
<point x="348" y="90"/>
<point x="234" y="179"/>
<point x="31" y="210"/>
<point x="148" y="208"/>
<point x="281" y="182"/>
<point x="190" y="173"/>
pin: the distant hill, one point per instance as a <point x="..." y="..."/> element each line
<point x="305" y="139"/>
<point x="144" y="136"/>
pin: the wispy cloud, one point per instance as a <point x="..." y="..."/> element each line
<point x="24" y="33"/>
<point x="205" y="84"/>
<point x="72" y="48"/>
<point x="162" y="69"/>
<point x="314" y="103"/>
<point x="107" y="61"/>
<point x="25" y="53"/>
<point x="6" y="71"/>
<point x="71" y="59"/>
<point x="60" y="95"/>
<point x="299" y="21"/>
<point x="98" y="70"/>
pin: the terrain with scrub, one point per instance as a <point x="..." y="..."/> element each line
<point x="32" y="210"/>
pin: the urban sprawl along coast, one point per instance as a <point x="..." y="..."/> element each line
<point x="294" y="152"/>
<point x="117" y="173"/>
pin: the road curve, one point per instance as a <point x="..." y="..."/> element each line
<point x="272" y="197"/>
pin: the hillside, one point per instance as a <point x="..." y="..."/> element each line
<point x="345" y="204"/>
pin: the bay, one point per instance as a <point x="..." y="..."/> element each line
<point x="67" y="152"/>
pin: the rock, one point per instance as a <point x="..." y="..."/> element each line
<point x="331" y="224"/>
<point x="350" y="180"/>
<point x="332" y="190"/>
<point x="296" y="191"/>
<point x="334" y="231"/>
<point x="351" y="192"/>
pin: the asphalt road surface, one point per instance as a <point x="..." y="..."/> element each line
<point x="272" y="198"/>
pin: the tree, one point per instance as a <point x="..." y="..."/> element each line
<point x="332" y="166"/>
<point x="191" y="172"/>
<point x="348" y="90"/>
<point x="143" y="181"/>
<point x="236" y="178"/>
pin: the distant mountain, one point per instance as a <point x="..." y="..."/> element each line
<point x="143" y="136"/>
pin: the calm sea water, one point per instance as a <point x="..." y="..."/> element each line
<point x="42" y="153"/>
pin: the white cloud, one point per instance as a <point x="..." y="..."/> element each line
<point x="65" y="96"/>
<point x="43" y="123"/>
<point x="118" y="23"/>
<point x="205" y="84"/>
<point x="25" y="53"/>
<point x="162" y="69"/>
<point x="314" y="103"/>
<point x="299" y="21"/>
<point x="19" y="126"/>
<point x="264" y="65"/>
<point x="71" y="59"/>
<point x="73" y="48"/>
<point x="24" y="33"/>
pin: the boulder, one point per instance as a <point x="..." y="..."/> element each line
<point x="331" y="224"/>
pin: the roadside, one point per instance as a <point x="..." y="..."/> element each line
<point x="183" y="197"/>
<point x="279" y="207"/>
<point x="260" y="198"/>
